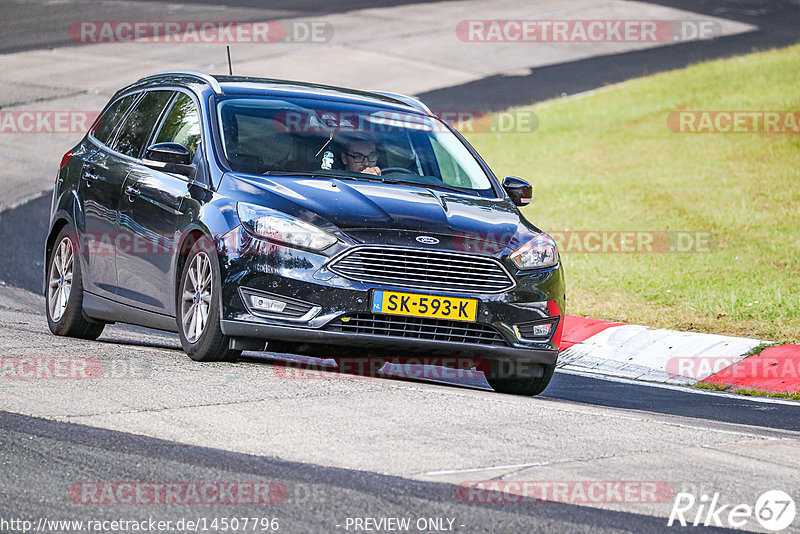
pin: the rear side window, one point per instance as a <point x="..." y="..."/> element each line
<point x="136" y="130"/>
<point x="182" y="124"/>
<point x="108" y="122"/>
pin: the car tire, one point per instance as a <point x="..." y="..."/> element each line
<point x="528" y="386"/>
<point x="198" y="307"/>
<point x="64" y="291"/>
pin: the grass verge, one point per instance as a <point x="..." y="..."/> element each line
<point x="608" y="162"/>
<point x="792" y="395"/>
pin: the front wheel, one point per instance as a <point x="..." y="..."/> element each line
<point x="198" y="307"/>
<point x="534" y="380"/>
<point x="64" y="293"/>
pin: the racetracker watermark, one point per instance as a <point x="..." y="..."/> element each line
<point x="634" y="241"/>
<point x="449" y="369"/>
<point x="152" y="244"/>
<point x="502" y="122"/>
<point x="598" y="241"/>
<point x="195" y="524"/>
<point x="571" y="491"/>
<point x="348" y="122"/>
<point x="567" y="241"/>
<point x="585" y="31"/>
<point x="71" y="368"/>
<point x="423" y="368"/>
<point x="184" y="492"/>
<point x="199" y="31"/>
<point x="756" y="368"/>
<point x="50" y="368"/>
<point x="46" y="121"/>
<point x="734" y="121"/>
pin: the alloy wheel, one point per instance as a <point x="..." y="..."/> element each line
<point x="196" y="297"/>
<point x="59" y="285"/>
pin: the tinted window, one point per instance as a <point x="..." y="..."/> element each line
<point x="343" y="139"/>
<point x="182" y="124"/>
<point x="137" y="127"/>
<point x="108" y="122"/>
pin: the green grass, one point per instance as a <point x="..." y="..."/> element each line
<point x="758" y="349"/>
<point x="712" y="387"/>
<point x="607" y="161"/>
<point x="795" y="395"/>
<point x="792" y="395"/>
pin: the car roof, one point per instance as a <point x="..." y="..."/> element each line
<point x="247" y="85"/>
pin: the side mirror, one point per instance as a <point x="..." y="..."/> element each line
<point x="520" y="191"/>
<point x="169" y="157"/>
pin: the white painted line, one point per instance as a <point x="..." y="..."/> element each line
<point x="491" y="468"/>
<point x="683" y="388"/>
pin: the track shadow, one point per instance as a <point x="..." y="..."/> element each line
<point x="22" y="232"/>
<point x="346" y="365"/>
<point x="778" y="25"/>
<point x="313" y="498"/>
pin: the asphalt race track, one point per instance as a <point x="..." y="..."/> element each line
<point x="777" y="27"/>
<point x="318" y="498"/>
<point x="336" y="447"/>
<point x="579" y="427"/>
<point x="27" y="224"/>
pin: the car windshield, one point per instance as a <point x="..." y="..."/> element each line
<point x="277" y="135"/>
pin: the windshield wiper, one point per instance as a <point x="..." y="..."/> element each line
<point x="365" y="178"/>
<point x="310" y="174"/>
<point x="322" y="174"/>
<point x="423" y="184"/>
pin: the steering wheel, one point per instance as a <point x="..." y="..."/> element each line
<point x="396" y="169"/>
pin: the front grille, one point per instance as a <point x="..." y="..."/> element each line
<point x="419" y="328"/>
<point x="424" y="269"/>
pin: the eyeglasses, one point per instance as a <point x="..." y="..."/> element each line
<point x="359" y="158"/>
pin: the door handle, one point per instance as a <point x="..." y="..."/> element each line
<point x="132" y="191"/>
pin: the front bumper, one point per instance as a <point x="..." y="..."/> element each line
<point x="273" y="270"/>
<point x="386" y="344"/>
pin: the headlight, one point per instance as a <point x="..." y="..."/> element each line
<point x="537" y="253"/>
<point x="277" y="226"/>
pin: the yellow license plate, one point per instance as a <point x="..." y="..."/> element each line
<point x="417" y="305"/>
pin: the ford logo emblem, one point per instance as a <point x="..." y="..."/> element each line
<point x="427" y="240"/>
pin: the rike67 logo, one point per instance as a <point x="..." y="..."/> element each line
<point x="774" y="510"/>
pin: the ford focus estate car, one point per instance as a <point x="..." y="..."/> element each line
<point x="247" y="212"/>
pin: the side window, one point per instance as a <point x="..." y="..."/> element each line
<point x="137" y="127"/>
<point x="182" y="125"/>
<point x="108" y="122"/>
<point x="450" y="171"/>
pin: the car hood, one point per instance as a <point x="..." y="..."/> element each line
<point x="373" y="212"/>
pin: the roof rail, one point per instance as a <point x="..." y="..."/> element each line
<point x="210" y="80"/>
<point x="409" y="100"/>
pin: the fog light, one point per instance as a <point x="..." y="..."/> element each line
<point x="271" y="306"/>
<point x="541" y="330"/>
<point x="268" y="305"/>
<point x="536" y="330"/>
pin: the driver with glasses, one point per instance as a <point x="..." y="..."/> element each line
<point x="361" y="155"/>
